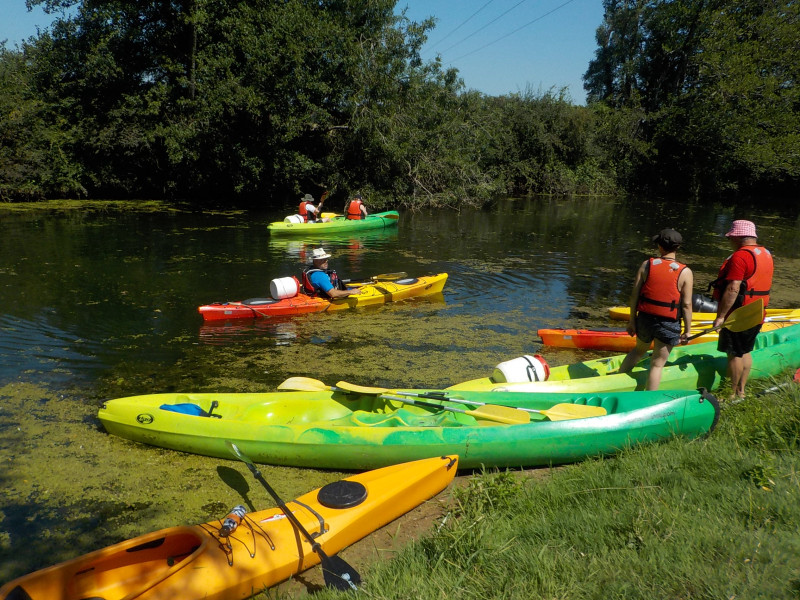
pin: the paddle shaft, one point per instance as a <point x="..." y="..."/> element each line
<point x="445" y="398"/>
<point x="325" y="560"/>
<point x="507" y="419"/>
<point x="742" y="313"/>
<point x="380" y="277"/>
<point x="552" y="413"/>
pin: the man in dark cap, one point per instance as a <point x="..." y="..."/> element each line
<point x="660" y="300"/>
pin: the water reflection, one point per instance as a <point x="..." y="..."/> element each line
<point x="128" y="284"/>
<point x="281" y="330"/>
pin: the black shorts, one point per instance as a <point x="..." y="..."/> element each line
<point x="737" y="343"/>
<point x="651" y="326"/>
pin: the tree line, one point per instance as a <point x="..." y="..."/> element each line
<point x="255" y="101"/>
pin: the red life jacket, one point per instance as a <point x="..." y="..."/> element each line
<point x="660" y="295"/>
<point x="755" y="285"/>
<point x="308" y="287"/>
<point x="354" y="210"/>
<point x="303" y="212"/>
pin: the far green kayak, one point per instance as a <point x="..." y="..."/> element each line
<point x="688" y="368"/>
<point x="336" y="225"/>
<point x="344" y="430"/>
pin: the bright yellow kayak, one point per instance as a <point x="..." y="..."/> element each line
<point x="623" y="313"/>
<point x="263" y="548"/>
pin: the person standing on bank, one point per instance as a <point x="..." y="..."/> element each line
<point x="355" y="209"/>
<point x="660" y="300"/>
<point x="319" y="281"/>
<point x="744" y="277"/>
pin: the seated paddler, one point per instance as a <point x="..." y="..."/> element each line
<point x="318" y="280"/>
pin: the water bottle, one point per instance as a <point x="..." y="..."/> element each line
<point x="232" y="521"/>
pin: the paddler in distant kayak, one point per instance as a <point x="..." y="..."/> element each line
<point x="311" y="213"/>
<point x="744" y="277"/>
<point x="661" y="299"/>
<point x="319" y="281"/>
<point x="355" y="208"/>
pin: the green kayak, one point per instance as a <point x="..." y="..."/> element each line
<point x="689" y="367"/>
<point x="344" y="430"/>
<point x="338" y="224"/>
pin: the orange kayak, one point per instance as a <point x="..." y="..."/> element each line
<point x="371" y="294"/>
<point x="194" y="562"/>
<point x="618" y="340"/>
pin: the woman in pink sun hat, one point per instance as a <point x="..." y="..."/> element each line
<point x="744" y="277"/>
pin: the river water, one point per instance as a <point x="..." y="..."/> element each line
<point x="98" y="300"/>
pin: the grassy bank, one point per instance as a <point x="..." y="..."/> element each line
<point x="710" y="518"/>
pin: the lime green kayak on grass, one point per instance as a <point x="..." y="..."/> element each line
<point x="336" y="225"/>
<point x="689" y="367"/>
<point x="345" y="430"/>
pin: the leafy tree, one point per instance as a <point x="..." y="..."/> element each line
<point x="717" y="80"/>
<point x="34" y="146"/>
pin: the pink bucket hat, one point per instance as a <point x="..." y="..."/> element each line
<point x="742" y="229"/>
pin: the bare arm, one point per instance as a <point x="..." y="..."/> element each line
<point x="686" y="285"/>
<point x="729" y="295"/>
<point x="638" y="282"/>
<point x="334" y="293"/>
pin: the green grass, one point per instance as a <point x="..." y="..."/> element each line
<point x="713" y="518"/>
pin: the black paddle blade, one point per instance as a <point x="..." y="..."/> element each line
<point x="338" y="574"/>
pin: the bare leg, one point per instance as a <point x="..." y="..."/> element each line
<point x="634" y="356"/>
<point x="659" y="359"/>
<point x="739" y="370"/>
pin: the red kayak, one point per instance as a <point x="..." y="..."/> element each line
<point x="371" y="294"/>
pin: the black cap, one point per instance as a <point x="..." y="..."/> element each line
<point x="668" y="238"/>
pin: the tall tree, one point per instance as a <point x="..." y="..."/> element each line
<point x="718" y="82"/>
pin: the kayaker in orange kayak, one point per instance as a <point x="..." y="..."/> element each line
<point x="660" y="300"/>
<point x="319" y="281"/>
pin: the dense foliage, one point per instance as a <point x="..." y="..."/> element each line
<point x="260" y="100"/>
<point x="717" y="82"/>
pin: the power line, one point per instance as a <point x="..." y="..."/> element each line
<point x="485" y="26"/>
<point x="462" y="24"/>
<point x="513" y="32"/>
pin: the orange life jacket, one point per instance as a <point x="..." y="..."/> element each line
<point x="754" y="286"/>
<point x="303" y="212"/>
<point x="660" y="295"/>
<point x="308" y="287"/>
<point x="354" y="210"/>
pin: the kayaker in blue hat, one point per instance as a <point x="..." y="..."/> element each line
<point x="319" y="281"/>
<point x="660" y="300"/>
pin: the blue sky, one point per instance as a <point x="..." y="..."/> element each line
<point x="505" y="46"/>
<point x="498" y="46"/>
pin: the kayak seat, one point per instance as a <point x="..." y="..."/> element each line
<point x="259" y="301"/>
<point x="189" y="408"/>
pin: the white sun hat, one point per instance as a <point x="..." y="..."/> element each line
<point x="319" y="254"/>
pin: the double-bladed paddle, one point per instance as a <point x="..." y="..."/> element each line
<point x="742" y="318"/>
<point x="379" y="277"/>
<point x="558" y="412"/>
<point x="337" y="573"/>
<point x="488" y="412"/>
